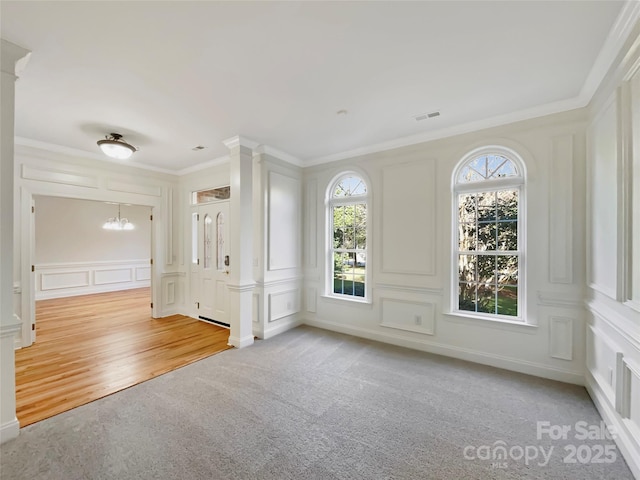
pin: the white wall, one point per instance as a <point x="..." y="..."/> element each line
<point x="70" y="230"/>
<point x="613" y="254"/>
<point x="74" y="255"/>
<point x="411" y="251"/>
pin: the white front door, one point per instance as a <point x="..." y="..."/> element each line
<point x="213" y="262"/>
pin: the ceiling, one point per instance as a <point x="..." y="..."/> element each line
<point x="171" y="76"/>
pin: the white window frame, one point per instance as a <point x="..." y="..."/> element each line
<point x="331" y="202"/>
<point x="513" y="183"/>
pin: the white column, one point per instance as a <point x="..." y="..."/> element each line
<point x="12" y="60"/>
<point x="241" y="282"/>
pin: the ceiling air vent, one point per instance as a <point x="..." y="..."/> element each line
<point x="424" y="116"/>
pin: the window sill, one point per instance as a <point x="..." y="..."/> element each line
<point x="348" y="301"/>
<point x="497" y="323"/>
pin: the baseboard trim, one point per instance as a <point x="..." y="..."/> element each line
<point x="280" y="328"/>
<point x="425" y="345"/>
<point x="240" y="342"/>
<point x="628" y="447"/>
<point x="9" y="430"/>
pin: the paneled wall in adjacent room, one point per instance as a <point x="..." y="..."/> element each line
<point x="74" y="255"/>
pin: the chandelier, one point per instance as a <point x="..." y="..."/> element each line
<point x="118" y="223"/>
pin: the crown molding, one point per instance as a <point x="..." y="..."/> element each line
<point x="14" y="58"/>
<point x="201" y="166"/>
<point x="496" y="121"/>
<point x="274" y="152"/>
<point x="77" y="153"/>
<point x="239" y="140"/>
<point x="618" y="35"/>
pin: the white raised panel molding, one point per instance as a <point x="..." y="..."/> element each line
<point x="311" y="219"/>
<point x="168" y="226"/>
<point x="283" y="304"/>
<point x="602" y="201"/>
<point x="283" y="222"/>
<point x="69" y="279"/>
<point x="83" y="278"/>
<point x="170" y="293"/>
<point x="51" y="175"/>
<point x="143" y="273"/>
<point x="312" y="299"/>
<point x="409" y="218"/>
<point x="173" y="287"/>
<point x="256" y="308"/>
<point x="128" y="187"/>
<point x="112" y="275"/>
<point x="561" y="210"/>
<point x="418" y="317"/>
<point x="602" y="361"/>
<point x="561" y="337"/>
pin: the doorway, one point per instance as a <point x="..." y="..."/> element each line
<point x="84" y="247"/>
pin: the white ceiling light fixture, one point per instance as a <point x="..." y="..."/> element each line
<point x="118" y="223"/>
<point x="114" y="147"/>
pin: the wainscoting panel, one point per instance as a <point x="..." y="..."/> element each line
<point x="418" y="317"/>
<point x="67" y="280"/>
<point x="284" y="304"/>
<point x="113" y="275"/>
<point x="59" y="280"/>
<point x="561" y="337"/>
<point x="173" y="291"/>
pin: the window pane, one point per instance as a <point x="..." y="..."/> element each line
<point x="507" y="204"/>
<point x="349" y="237"/>
<point x="486" y="236"/>
<point x="507" y="235"/>
<point x="208" y="240"/>
<point x="350" y="186"/>
<point x="467" y="236"/>
<point x="486" y="298"/>
<point x="486" y="268"/>
<point x="361" y="215"/>
<point x="467" y="268"/>
<point x="361" y="238"/>
<point x="508" y="270"/>
<point x="338" y="216"/>
<point x="467" y="207"/>
<point x="508" y="301"/>
<point x="467" y="297"/>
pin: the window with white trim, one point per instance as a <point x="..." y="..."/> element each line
<point x="347" y="224"/>
<point x="488" y="188"/>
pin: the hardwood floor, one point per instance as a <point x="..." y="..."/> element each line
<point x="90" y="346"/>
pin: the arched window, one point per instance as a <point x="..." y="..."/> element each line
<point x="488" y="188"/>
<point x="347" y="221"/>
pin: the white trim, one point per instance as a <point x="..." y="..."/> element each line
<point x="75" y="152"/>
<point x="240" y="342"/>
<point x="496" y="121"/>
<point x="499" y="323"/>
<point x="620" y="31"/>
<point x="9" y="430"/>
<point x="622" y="439"/>
<point x="239" y="140"/>
<point x="201" y="166"/>
<point x="425" y="344"/>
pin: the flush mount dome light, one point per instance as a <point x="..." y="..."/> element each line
<point x="114" y="147"/>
